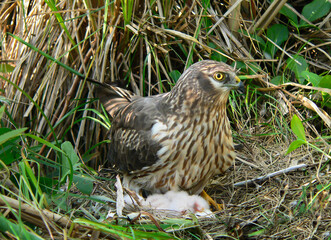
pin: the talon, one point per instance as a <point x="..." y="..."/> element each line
<point x="211" y="201"/>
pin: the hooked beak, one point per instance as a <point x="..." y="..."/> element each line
<point x="240" y="87"/>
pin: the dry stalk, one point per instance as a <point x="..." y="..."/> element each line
<point x="267" y="17"/>
<point x="268" y="176"/>
<point x="36" y="213"/>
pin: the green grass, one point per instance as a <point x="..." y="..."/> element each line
<point x="54" y="134"/>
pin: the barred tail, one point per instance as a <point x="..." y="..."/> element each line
<point x="113" y="98"/>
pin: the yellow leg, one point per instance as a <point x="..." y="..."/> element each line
<point x="211" y="201"/>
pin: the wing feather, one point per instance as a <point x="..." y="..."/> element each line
<point x="131" y="147"/>
<point x="113" y="98"/>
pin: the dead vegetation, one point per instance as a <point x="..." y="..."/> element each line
<point x="144" y="47"/>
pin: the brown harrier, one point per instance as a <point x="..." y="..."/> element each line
<point x="177" y="140"/>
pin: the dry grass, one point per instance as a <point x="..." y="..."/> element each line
<point x="143" y="55"/>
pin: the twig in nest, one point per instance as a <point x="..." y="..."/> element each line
<point x="270" y="175"/>
<point x="153" y="220"/>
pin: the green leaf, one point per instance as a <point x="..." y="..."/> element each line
<point x="297" y="68"/>
<point x="9" y="152"/>
<point x="47" y="184"/>
<point x="2" y="110"/>
<point x="17" y="229"/>
<point x="257" y="233"/>
<point x="43" y="141"/>
<point x="254" y="68"/>
<point x="311" y="77"/>
<point x="315" y="10"/>
<point x="84" y="183"/>
<point x="205" y="4"/>
<point x="319" y="187"/>
<point x="102" y="199"/>
<point x="6" y="68"/>
<point x="277" y="80"/>
<point x="12" y="134"/>
<point x="218" y="57"/>
<point x="297" y="128"/>
<point x="127" y="8"/>
<point x="302" y="209"/>
<point x="52" y="5"/>
<point x="290" y="14"/>
<point x="175" y="74"/>
<point x="123" y="232"/>
<point x="178" y="224"/>
<point x="215" y="55"/>
<point x="4" y="99"/>
<point x="294" y="145"/>
<point x="239" y="65"/>
<point x="70" y="155"/>
<point x="278" y="33"/>
<point x="325" y="82"/>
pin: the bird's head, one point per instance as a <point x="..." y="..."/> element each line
<point x="217" y="77"/>
<point x="202" y="83"/>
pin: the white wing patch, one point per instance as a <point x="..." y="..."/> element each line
<point x="157" y="130"/>
<point x="160" y="132"/>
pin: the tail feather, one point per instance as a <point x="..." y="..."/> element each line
<point x="113" y="98"/>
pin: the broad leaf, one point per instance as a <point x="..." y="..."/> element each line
<point x="315" y="10"/>
<point x="277" y="80"/>
<point x="290" y="14"/>
<point x="278" y="33"/>
<point x="312" y="78"/>
<point x="84" y="183"/>
<point x="296" y="67"/>
<point x="294" y="145"/>
<point x="239" y="66"/>
<point x="297" y="128"/>
<point x="325" y="82"/>
<point x="70" y="160"/>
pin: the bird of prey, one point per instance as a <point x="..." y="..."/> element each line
<point x="174" y="141"/>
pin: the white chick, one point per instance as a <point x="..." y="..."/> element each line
<point x="157" y="201"/>
<point x="200" y="206"/>
<point x="194" y="204"/>
<point x="178" y="201"/>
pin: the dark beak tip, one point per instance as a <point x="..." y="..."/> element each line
<point x="241" y="88"/>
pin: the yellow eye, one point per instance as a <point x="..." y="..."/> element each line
<point x="218" y="76"/>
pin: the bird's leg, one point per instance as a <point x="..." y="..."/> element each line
<point x="211" y="201"/>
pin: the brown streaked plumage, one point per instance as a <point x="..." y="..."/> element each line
<point x="177" y="140"/>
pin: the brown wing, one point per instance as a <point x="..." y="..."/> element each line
<point x="131" y="146"/>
